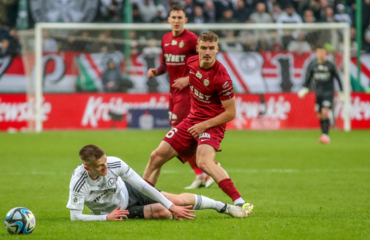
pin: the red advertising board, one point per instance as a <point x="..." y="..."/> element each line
<point x="94" y="111"/>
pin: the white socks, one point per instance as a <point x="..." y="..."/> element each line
<point x="202" y="202"/>
<point x="239" y="201"/>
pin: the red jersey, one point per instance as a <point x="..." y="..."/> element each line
<point x="208" y="88"/>
<point x="175" y="53"/>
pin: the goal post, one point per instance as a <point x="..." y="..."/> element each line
<point x="338" y="27"/>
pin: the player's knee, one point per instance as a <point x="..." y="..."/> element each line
<point x="203" y="164"/>
<point x="179" y="200"/>
<point x="155" y="158"/>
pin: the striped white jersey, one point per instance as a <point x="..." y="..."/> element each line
<point x="107" y="192"/>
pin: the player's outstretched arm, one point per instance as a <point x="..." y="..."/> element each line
<point x="180" y="212"/>
<point x="181" y="83"/>
<point x="228" y="115"/>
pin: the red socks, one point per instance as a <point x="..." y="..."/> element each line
<point x="151" y="184"/>
<point x="194" y="166"/>
<point x="228" y="187"/>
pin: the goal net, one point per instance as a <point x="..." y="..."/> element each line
<point x="267" y="64"/>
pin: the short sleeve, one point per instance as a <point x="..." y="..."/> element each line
<point x="75" y="201"/>
<point x="224" y="86"/>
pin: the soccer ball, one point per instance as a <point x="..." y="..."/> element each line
<point x="20" y="220"/>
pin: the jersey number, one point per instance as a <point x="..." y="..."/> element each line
<point x="171" y="133"/>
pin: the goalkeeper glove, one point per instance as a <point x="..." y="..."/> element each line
<point x="303" y="92"/>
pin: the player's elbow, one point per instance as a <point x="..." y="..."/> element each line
<point x="231" y="114"/>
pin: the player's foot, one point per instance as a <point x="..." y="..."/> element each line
<point x="247" y="207"/>
<point x="324" y="139"/>
<point x="197" y="183"/>
<point x="209" y="179"/>
<point x="234" y="211"/>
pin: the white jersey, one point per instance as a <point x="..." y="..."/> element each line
<point x="107" y="192"/>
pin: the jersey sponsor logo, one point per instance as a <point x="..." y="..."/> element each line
<point x="226" y="84"/>
<point x="322" y="68"/>
<point x="199" y="94"/>
<point x="322" y="76"/>
<point x="166" y="44"/>
<point x="101" y="195"/>
<point x="101" y="186"/>
<point x="174" y="58"/>
<point x="202" y="140"/>
<point x="205" y="135"/>
<point x="181" y="45"/>
<point x="206" y="82"/>
<point x="174" y="42"/>
<point x="198" y="75"/>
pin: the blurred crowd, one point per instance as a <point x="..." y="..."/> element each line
<point x="21" y="14"/>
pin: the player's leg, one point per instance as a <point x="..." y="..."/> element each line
<point x="159" y="156"/>
<point x="325" y="124"/>
<point x="156" y="211"/>
<point x="180" y="110"/>
<point x="200" y="202"/>
<point x="205" y="160"/>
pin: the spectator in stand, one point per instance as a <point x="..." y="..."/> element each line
<point x="198" y="16"/>
<point x="221" y="6"/>
<point x="136" y="16"/>
<point x="228" y="16"/>
<point x="14" y="41"/>
<point x="289" y="16"/>
<point x="209" y="11"/>
<point x="277" y="47"/>
<point x="111" y="10"/>
<point x="329" y="15"/>
<point x="261" y="16"/>
<point x="299" y="45"/>
<point x="230" y="45"/>
<point x="314" y="6"/>
<point x="48" y="44"/>
<point x="353" y="39"/>
<point x="308" y="16"/>
<point x="341" y="16"/>
<point x="241" y="13"/>
<point x="161" y="15"/>
<point x="4" y="5"/>
<point x="189" y="10"/>
<point x="7" y="49"/>
<point x="270" y="6"/>
<point x="276" y="12"/>
<point x="148" y="11"/>
<point x="111" y="77"/>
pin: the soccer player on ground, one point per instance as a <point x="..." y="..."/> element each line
<point x="177" y="47"/>
<point x="97" y="184"/>
<point x="201" y="133"/>
<point x="323" y="72"/>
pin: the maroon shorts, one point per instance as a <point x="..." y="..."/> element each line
<point x="186" y="145"/>
<point x="179" y="109"/>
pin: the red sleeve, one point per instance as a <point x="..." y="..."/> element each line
<point x="194" y="44"/>
<point x="224" y="86"/>
<point x="163" y="67"/>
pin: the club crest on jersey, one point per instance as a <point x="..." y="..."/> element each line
<point x="206" y="82"/>
<point x="174" y="42"/>
<point x="181" y="45"/>
<point x="198" y="75"/>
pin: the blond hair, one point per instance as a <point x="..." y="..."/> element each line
<point x="208" y="37"/>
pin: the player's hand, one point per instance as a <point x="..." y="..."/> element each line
<point x="197" y="129"/>
<point x="341" y="97"/>
<point x="303" y="92"/>
<point x="181" y="83"/>
<point x="117" y="214"/>
<point x="152" y="72"/>
<point x="180" y="212"/>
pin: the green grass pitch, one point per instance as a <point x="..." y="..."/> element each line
<point x="300" y="189"/>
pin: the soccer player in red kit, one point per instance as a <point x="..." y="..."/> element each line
<point x="201" y="133"/>
<point x="177" y="47"/>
